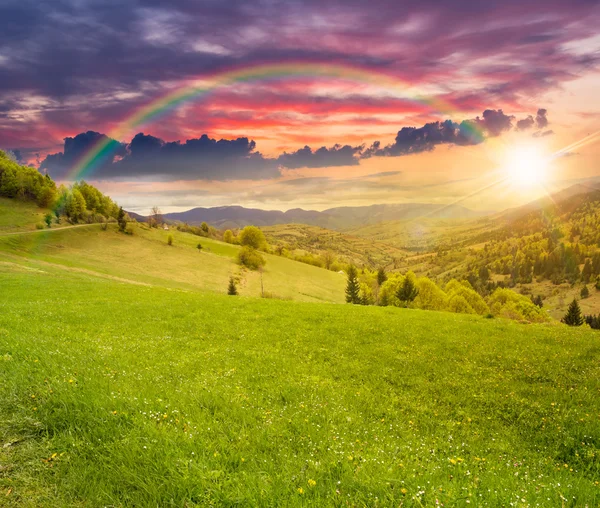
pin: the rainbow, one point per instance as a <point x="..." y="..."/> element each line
<point x="204" y="85"/>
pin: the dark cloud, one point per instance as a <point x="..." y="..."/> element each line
<point x="525" y="123"/>
<point x="541" y="120"/>
<point x="337" y="155"/>
<point x="85" y="56"/>
<point x="59" y="163"/>
<point x="203" y="158"/>
<point x="410" y="140"/>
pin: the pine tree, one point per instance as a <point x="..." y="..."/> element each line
<point x="573" y="316"/>
<point x="585" y="292"/>
<point x="121" y="219"/>
<point x="232" y="289"/>
<point x="407" y="292"/>
<point x="352" y="287"/>
<point x="381" y="276"/>
<point x="586" y="273"/>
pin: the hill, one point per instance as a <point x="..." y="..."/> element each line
<point x="122" y="395"/>
<point x="143" y="257"/>
<point x="300" y="239"/>
<point x="332" y="218"/>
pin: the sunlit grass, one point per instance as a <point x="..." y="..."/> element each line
<point x="120" y="395"/>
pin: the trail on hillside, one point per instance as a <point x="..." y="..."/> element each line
<point x="47" y="230"/>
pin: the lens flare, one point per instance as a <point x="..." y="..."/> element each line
<point x="527" y="166"/>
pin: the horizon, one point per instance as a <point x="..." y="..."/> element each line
<point x="155" y="108"/>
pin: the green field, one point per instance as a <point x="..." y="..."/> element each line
<point x="115" y="394"/>
<point x="145" y="257"/>
<point x="129" y="378"/>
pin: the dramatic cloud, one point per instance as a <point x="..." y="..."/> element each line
<point x="206" y="158"/>
<point x="410" y="140"/>
<point x="324" y="157"/>
<point x="203" y="158"/>
<point x="65" y="64"/>
<point x="541" y="120"/>
<point x="59" y="163"/>
<point x="525" y="123"/>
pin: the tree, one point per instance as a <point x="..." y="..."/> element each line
<point x="598" y="283"/>
<point x="199" y="247"/>
<point x="170" y="240"/>
<point x="204" y="227"/>
<point x="228" y="236"/>
<point x="537" y="301"/>
<point x="48" y="219"/>
<point x="156" y="216"/>
<point x="75" y="206"/>
<point x="353" y="286"/>
<point x="408" y="291"/>
<point x="232" y="288"/>
<point x="573" y="316"/>
<point x="381" y="276"/>
<point x="484" y="274"/>
<point x="121" y="219"/>
<point x="328" y="259"/>
<point x="584" y="293"/>
<point x="253" y="237"/>
<point x="586" y="273"/>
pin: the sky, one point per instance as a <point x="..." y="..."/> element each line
<point x="304" y="103"/>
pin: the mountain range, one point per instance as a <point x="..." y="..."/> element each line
<point x="332" y="218"/>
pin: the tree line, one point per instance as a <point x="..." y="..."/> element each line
<point x="81" y="202"/>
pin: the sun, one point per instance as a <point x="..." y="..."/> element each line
<point x="526" y="166"/>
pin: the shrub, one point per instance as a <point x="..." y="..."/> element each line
<point x="40" y="225"/>
<point x="251" y="258"/>
<point x="464" y="289"/>
<point x="585" y="292"/>
<point x="506" y="303"/>
<point x="170" y="240"/>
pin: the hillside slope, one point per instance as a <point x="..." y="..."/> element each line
<point x="144" y="257"/>
<point x="118" y="395"/>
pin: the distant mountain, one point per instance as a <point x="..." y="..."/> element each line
<point x="333" y="218"/>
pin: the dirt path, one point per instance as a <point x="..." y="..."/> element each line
<point x="47" y="230"/>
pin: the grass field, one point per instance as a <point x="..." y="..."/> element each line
<point x="146" y="258"/>
<point x="115" y="394"/>
<point x="18" y="215"/>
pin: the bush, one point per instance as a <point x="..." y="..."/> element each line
<point x="170" y="240"/>
<point x="251" y="258"/>
<point x="506" y="303"/>
<point x="40" y="225"/>
<point x="228" y="236"/>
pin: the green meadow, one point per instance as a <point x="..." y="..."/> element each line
<point x="120" y="394"/>
<point x="145" y="257"/>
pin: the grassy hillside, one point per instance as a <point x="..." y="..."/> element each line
<point x="18" y="215"/>
<point x="114" y="394"/>
<point x="145" y="257"/>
